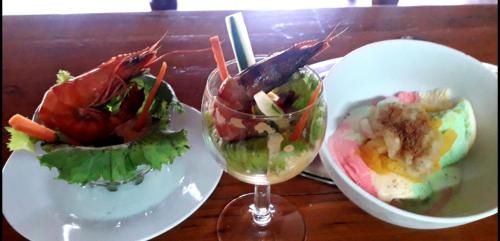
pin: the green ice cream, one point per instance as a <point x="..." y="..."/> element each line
<point x="461" y="120"/>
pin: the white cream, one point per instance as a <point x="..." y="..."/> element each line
<point x="288" y="148"/>
<point x="392" y="186"/>
<point x="236" y="122"/>
<point x="263" y="127"/>
<point x="274" y="145"/>
<point x="219" y="118"/>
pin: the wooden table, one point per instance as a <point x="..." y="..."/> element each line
<point x="35" y="47"/>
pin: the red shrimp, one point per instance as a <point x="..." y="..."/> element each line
<point x="75" y="107"/>
<point x="236" y="92"/>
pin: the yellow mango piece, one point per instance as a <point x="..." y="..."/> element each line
<point x="371" y="157"/>
<point x="397" y="167"/>
<point x="436" y="123"/>
<point x="449" y="137"/>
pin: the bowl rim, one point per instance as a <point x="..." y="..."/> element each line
<point x="324" y="154"/>
<point x="330" y="161"/>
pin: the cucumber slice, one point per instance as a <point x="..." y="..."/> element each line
<point x="266" y="104"/>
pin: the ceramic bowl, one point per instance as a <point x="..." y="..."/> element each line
<point x="387" y="67"/>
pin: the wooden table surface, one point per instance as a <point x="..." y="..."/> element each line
<point x="36" y="47"/>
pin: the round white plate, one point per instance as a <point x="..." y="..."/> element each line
<point x="40" y="207"/>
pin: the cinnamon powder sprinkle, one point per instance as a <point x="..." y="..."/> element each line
<point x="409" y="125"/>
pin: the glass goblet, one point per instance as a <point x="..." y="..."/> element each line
<point x="271" y="153"/>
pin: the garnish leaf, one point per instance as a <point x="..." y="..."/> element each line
<point x="318" y="125"/>
<point x="117" y="163"/>
<point x="302" y="84"/>
<point x="62" y="76"/>
<point x="253" y="156"/>
<point x="20" y="141"/>
<point x="113" y="105"/>
<point x="164" y="102"/>
<point x="250" y="157"/>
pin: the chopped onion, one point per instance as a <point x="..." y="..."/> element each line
<point x="393" y="143"/>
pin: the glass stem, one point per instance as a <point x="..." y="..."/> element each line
<point x="262" y="209"/>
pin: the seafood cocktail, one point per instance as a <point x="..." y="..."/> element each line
<point x="265" y="125"/>
<point x="264" y="149"/>
<point x="106" y="126"/>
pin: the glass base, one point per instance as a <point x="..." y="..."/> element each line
<point x="236" y="221"/>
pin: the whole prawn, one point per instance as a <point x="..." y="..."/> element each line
<point x="75" y="107"/>
<point x="236" y="93"/>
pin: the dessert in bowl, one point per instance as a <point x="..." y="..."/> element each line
<point x="442" y="187"/>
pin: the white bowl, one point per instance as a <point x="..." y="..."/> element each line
<point x="386" y="67"/>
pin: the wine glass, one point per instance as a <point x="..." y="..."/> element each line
<point x="268" y="158"/>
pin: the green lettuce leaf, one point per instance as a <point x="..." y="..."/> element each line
<point x="252" y="156"/>
<point x="318" y="125"/>
<point x="302" y="84"/>
<point x="164" y="101"/>
<point x="117" y="163"/>
<point x="20" y="141"/>
<point x="113" y="105"/>
<point x="63" y="75"/>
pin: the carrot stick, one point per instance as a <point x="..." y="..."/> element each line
<point x="301" y="124"/>
<point x="149" y="101"/>
<point x="31" y="128"/>
<point x="219" y="57"/>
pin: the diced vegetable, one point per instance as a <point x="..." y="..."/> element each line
<point x="219" y="57"/>
<point x="145" y="112"/>
<point x="266" y="105"/>
<point x="305" y="116"/>
<point x="240" y="41"/>
<point x="31" y="128"/>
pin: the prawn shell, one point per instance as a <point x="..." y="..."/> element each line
<point x="75" y="107"/>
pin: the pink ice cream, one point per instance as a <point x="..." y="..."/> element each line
<point x="345" y="151"/>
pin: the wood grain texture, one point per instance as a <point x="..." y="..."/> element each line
<point x="35" y="47"/>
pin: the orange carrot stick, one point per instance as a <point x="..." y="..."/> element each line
<point x="301" y="124"/>
<point x="149" y="101"/>
<point x="31" y="128"/>
<point x="219" y="57"/>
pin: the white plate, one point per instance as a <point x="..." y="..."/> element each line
<point x="387" y="67"/>
<point x="42" y="208"/>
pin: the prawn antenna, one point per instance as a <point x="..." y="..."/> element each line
<point x="187" y="51"/>
<point x="332" y="35"/>
<point x="158" y="42"/>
